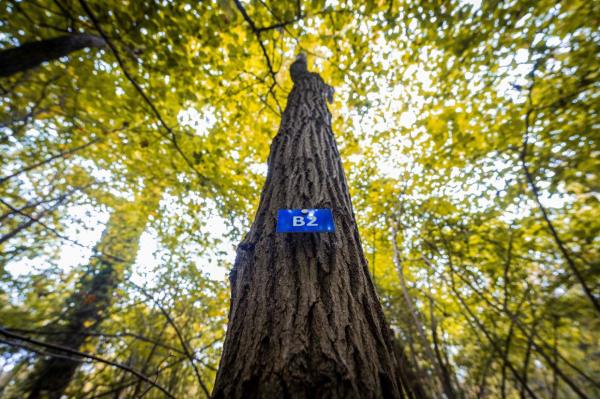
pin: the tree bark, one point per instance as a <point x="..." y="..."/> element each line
<point x="32" y="54"/>
<point x="305" y="321"/>
<point x="89" y="305"/>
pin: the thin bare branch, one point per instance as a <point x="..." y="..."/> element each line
<point x="182" y="340"/>
<point x="534" y="189"/>
<point x="257" y="32"/>
<point x="79" y="354"/>
<point x="171" y="136"/>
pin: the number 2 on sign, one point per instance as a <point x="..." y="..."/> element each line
<point x="299" y="221"/>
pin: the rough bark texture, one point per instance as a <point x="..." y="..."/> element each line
<point x="29" y="55"/>
<point x="305" y="321"/>
<point x="89" y="305"/>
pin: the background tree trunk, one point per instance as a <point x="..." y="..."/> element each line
<point x="89" y="305"/>
<point x="435" y="362"/>
<point x="29" y="55"/>
<point x="305" y="321"/>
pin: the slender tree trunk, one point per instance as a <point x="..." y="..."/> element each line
<point x="305" y="321"/>
<point x="436" y="366"/>
<point x="32" y="54"/>
<point x="89" y="305"/>
<point x="525" y="377"/>
<point x="415" y="388"/>
<point x="443" y="367"/>
<point x="421" y="375"/>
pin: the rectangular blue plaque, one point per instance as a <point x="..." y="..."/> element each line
<point x="305" y="221"/>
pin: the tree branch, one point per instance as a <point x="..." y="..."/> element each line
<point x="70" y="351"/>
<point x="514" y="317"/>
<point x="171" y="134"/>
<point x="183" y="342"/>
<point x="257" y="31"/>
<point x="32" y="54"/>
<point x="48" y="160"/>
<point x="531" y="182"/>
<point x="36" y="219"/>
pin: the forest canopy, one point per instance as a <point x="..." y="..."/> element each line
<point x="134" y="138"/>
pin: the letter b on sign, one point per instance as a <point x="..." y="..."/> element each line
<point x="298" y="221"/>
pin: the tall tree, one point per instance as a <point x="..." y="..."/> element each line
<point x="305" y="321"/>
<point x="89" y="304"/>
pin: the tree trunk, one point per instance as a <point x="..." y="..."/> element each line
<point x="305" y="321"/>
<point x="416" y="319"/>
<point x="32" y="54"/>
<point x="443" y="367"/>
<point x="90" y="303"/>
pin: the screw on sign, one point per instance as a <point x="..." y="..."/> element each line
<point x="305" y="221"/>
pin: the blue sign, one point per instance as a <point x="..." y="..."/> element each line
<point x="305" y="221"/>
